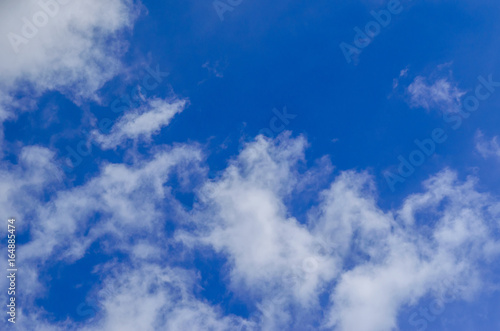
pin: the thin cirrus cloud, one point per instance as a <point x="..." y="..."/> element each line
<point x="141" y="123"/>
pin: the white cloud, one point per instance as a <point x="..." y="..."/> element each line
<point x="403" y="73"/>
<point x="393" y="260"/>
<point x="145" y="296"/>
<point x="487" y="148"/>
<point x="69" y="46"/>
<point x="406" y="258"/>
<point x="248" y="221"/>
<point x="370" y="262"/>
<point x="150" y="297"/>
<point x="130" y="199"/>
<point x="141" y="123"/>
<point x="442" y="94"/>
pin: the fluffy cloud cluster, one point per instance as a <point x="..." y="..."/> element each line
<point x="369" y="262"/>
<point x="69" y="46"/>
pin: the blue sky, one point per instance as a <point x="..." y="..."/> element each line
<point x="250" y="165"/>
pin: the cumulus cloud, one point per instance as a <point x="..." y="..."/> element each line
<point x="440" y="94"/>
<point x="149" y="297"/>
<point x="141" y="123"/>
<point x="368" y="261"/>
<point x="168" y="305"/>
<point x="70" y="46"/>
<point x="128" y="198"/>
<point x="373" y="262"/>
<point x="73" y="47"/>
<point x="408" y="260"/>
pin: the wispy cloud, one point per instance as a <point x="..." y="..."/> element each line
<point x="440" y="94"/>
<point x="141" y="123"/>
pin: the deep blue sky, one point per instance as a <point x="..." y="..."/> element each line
<point x="233" y="73"/>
